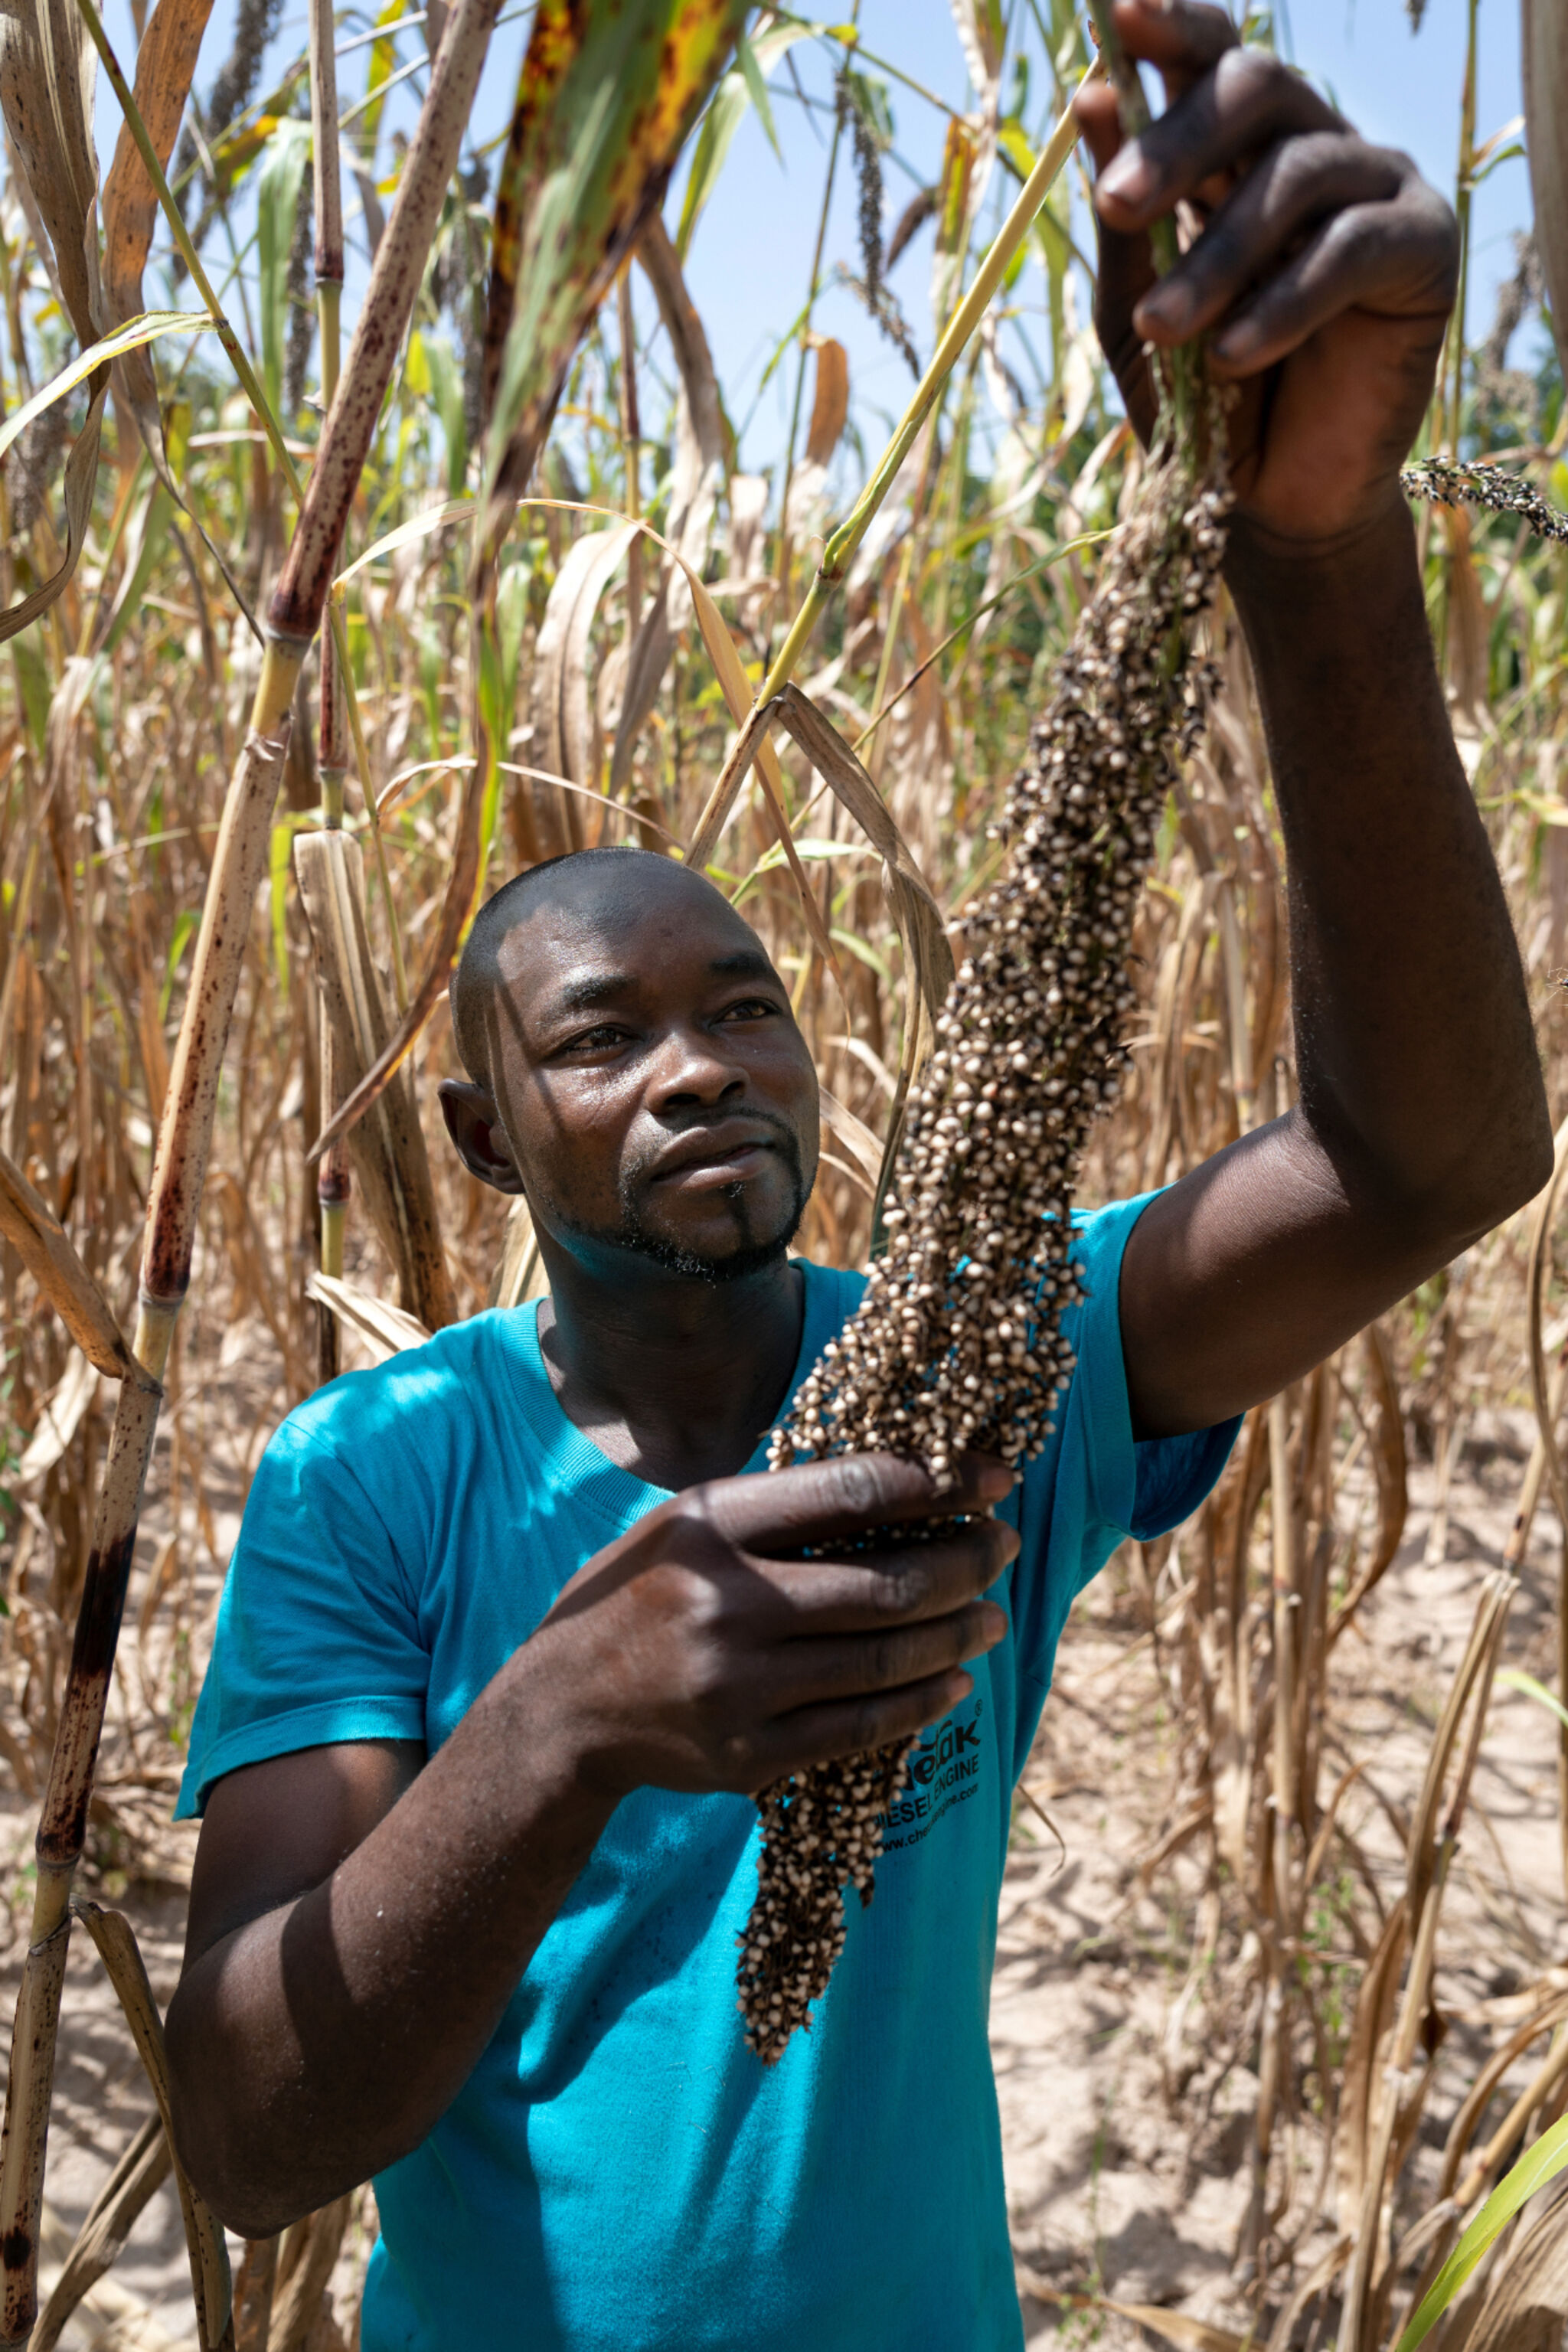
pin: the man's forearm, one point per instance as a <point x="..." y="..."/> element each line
<point x="325" y="2039"/>
<point x="1421" y="1121"/>
<point x="1416" y="1062"/>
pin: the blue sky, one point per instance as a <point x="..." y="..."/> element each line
<point x="750" y="257"/>
<point x="751" y="254"/>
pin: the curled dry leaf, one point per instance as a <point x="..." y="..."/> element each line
<point x="113" y="1935"/>
<point x="40" y="1240"/>
<point x="165" y="64"/>
<point x="387" y="1148"/>
<point x="101" y="2239"/>
<point x="46" y="70"/>
<point x="565" y="732"/>
<point x="385" y="1331"/>
<point x="1545" y="32"/>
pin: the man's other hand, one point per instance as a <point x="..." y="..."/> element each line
<point x="704" y="1651"/>
<point x="1322" y="274"/>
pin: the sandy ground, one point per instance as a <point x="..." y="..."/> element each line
<point x="1126" y="2118"/>
<point x="1127" y="2123"/>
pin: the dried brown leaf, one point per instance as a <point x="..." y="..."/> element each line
<point x="117" y="1948"/>
<point x="165" y="65"/>
<point x="40" y="1240"/>
<point x="563" y="709"/>
<point x="135" y="2179"/>
<point x="1545" y="37"/>
<point x="697" y="478"/>
<point x="386" y="1331"/>
<point x="388" y="1146"/>
<point x="831" y="400"/>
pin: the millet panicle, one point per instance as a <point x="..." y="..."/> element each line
<point x="958" y="1342"/>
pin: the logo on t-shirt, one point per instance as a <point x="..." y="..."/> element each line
<point x="944" y="1772"/>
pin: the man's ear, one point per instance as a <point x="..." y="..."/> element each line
<point x="474" y="1125"/>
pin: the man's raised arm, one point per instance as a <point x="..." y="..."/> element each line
<point x="1323" y="279"/>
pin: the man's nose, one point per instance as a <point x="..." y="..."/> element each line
<point x="693" y="1066"/>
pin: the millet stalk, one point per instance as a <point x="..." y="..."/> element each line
<point x="959" y="1343"/>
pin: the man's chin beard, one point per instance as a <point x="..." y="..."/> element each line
<point x="737" y="1264"/>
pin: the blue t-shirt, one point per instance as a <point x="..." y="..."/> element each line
<point x="620" y="2173"/>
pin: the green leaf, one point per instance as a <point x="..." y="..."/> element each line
<point x="869" y="96"/>
<point x="33" y="677"/>
<point x="1516" y="1679"/>
<point x="604" y="103"/>
<point x="277" y="189"/>
<point x="184" y="930"/>
<point x="447" y="391"/>
<point x="150" y="543"/>
<point x="758" y="91"/>
<point x="511" y="619"/>
<point x="1535" y="2168"/>
<point x="146" y="329"/>
<point x="720" y="122"/>
<point x="784" y="344"/>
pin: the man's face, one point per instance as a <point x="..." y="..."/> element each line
<point x="655" y="1090"/>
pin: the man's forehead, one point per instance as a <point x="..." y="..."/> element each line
<point x="628" y="933"/>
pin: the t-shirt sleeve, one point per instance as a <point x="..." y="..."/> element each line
<point x="318" y="1636"/>
<point x="1140" y="1487"/>
<point x="1100" y="1484"/>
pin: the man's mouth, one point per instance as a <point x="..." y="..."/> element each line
<point x="727" y="1154"/>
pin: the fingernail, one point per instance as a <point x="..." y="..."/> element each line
<point x="994" y="1481"/>
<point x="994" y="1623"/>
<point x="1168" y="307"/>
<point x="1237" y="342"/>
<point x="1128" y="177"/>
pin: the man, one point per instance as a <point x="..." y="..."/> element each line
<point x="508" y="1636"/>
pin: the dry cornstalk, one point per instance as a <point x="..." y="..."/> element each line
<point x="1390" y="2097"/>
<point x="185" y="1132"/>
<point x="62" y="1830"/>
<point x="333" y="1182"/>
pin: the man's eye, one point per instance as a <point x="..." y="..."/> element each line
<point x="597" y="1041"/>
<point x="751" y="1008"/>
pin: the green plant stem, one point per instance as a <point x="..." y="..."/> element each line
<point x="1464" y="197"/>
<point x="840" y="550"/>
<point x="951" y="490"/>
<point x="842" y="35"/>
<point x="1164" y="246"/>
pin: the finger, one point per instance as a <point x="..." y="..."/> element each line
<point x="1099" y="119"/>
<point x="1249" y="101"/>
<point x="1126" y="270"/>
<point x="852" y="1495"/>
<point x="1400" y="258"/>
<point x="812" y="1674"/>
<point x="1293" y="186"/>
<point x="901" y="1587"/>
<point x="1181" y="37"/>
<point x="819" y="1735"/>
